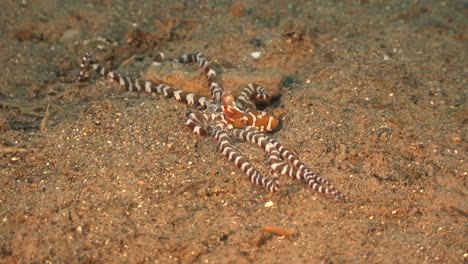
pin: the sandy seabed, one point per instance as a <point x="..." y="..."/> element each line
<point x="372" y="95"/>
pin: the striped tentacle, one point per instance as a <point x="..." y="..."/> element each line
<point x="137" y="85"/>
<point x="203" y="63"/>
<point x="85" y="65"/>
<point x="276" y="162"/>
<point x="196" y="121"/>
<point x="278" y="166"/>
<point x="298" y="170"/>
<point x="252" y="91"/>
<point x="285" y="153"/>
<point x="201" y="123"/>
<point x="316" y="182"/>
<point x="227" y="149"/>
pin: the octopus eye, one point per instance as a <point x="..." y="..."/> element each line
<point x="228" y="100"/>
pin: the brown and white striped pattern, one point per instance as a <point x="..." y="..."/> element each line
<point x="240" y="112"/>
<point x="210" y="121"/>
<point x="252" y="91"/>
<point x="200" y="60"/>
<point x="138" y="85"/>
<point x="237" y="118"/>
<point x="277" y="153"/>
<point x="197" y="122"/>
<point x="227" y="149"/>
<point x="226" y="116"/>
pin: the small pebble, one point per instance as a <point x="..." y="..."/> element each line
<point x="256" y="55"/>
